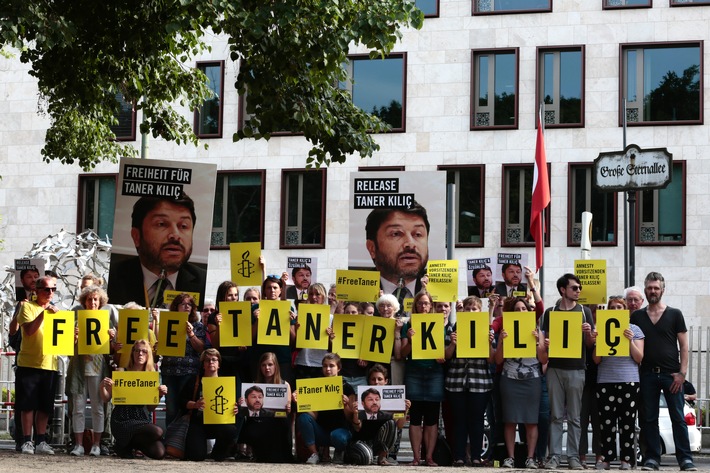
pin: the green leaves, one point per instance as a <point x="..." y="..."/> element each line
<point x="82" y="52"/>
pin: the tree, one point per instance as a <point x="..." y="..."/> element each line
<point x="291" y="53"/>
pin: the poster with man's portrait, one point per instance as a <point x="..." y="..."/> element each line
<point x="27" y="272"/>
<point x="162" y="228"/>
<point x="510" y="274"/>
<point x="302" y="272"/>
<point x="397" y="224"/>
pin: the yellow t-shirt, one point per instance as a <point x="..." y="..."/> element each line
<point x="31" y="352"/>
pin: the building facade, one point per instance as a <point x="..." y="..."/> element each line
<point x="462" y="96"/>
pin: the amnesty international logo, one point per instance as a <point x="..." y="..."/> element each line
<point x="246" y="267"/>
<point x="219" y="404"/>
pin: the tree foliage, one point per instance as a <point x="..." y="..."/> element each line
<point x="83" y="52"/>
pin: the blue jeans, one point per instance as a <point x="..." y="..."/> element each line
<point x="468" y="409"/>
<point x="543" y="422"/>
<point x="651" y="386"/>
<point x="313" y="433"/>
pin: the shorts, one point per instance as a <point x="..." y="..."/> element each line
<point x="428" y="411"/>
<point x="35" y="389"/>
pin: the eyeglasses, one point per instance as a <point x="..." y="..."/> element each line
<point x="142" y="351"/>
<point x="575" y="288"/>
<point x="185" y="304"/>
<point x="211" y="360"/>
<point x="47" y="289"/>
<point x="207" y="310"/>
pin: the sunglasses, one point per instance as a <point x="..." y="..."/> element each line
<point x="575" y="288"/>
<point x="208" y="311"/>
<point x="47" y="289"/>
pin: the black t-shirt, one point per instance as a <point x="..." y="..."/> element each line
<point x="568" y="363"/>
<point x="661" y="343"/>
<point x="331" y="420"/>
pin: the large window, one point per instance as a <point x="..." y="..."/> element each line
<point x="468" y="201"/>
<point x="611" y="4"/>
<point x="495" y="89"/>
<point x="97" y="203"/>
<point x="583" y="197"/>
<point x="125" y="130"/>
<point x="430" y="8"/>
<point x="303" y="208"/>
<point x="378" y="86"/>
<point x="511" y="6"/>
<point x="208" y="118"/>
<point x="517" y="198"/>
<point x="662" y="83"/>
<point x="238" y="208"/>
<point x="560" y="85"/>
<point x="660" y="213"/>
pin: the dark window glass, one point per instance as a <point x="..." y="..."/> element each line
<point x="98" y="204"/>
<point x="303" y="208"/>
<point x="238" y="208"/>
<point x="662" y="211"/>
<point x="662" y="83"/>
<point x="585" y="198"/>
<point x="378" y="87"/>
<point x="469" y="208"/>
<point x="495" y="74"/>
<point x="561" y="86"/>
<point x="517" y="198"/>
<point x="428" y="7"/>
<point x="208" y="119"/>
<point x="126" y="128"/>
<point x="682" y="3"/>
<point x="493" y="6"/>
<point x="626" y="3"/>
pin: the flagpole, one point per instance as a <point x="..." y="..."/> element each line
<point x="542" y="218"/>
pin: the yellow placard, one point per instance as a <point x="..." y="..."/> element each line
<point x="428" y="338"/>
<point x="313" y="321"/>
<point x="172" y="336"/>
<point x="220" y="394"/>
<point x="274" y="323"/>
<point x="443" y="280"/>
<point x="235" y="329"/>
<point x="357" y="286"/>
<point x="472" y="330"/>
<point x="244" y="259"/>
<point x="94" y="338"/>
<point x="592" y="274"/>
<point x="136" y="388"/>
<point x="132" y="326"/>
<point x="169" y="295"/>
<point x="377" y="339"/>
<point x="58" y="333"/>
<point x="566" y="334"/>
<point x="320" y="394"/>
<point x="521" y="341"/>
<point x="408" y="302"/>
<point x="610" y="328"/>
<point x="348" y="335"/>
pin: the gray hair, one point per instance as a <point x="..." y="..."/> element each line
<point x="389" y="299"/>
<point x="633" y="289"/>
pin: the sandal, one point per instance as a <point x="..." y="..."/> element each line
<point x="430" y="462"/>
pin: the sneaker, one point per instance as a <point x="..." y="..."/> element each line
<point x="688" y="466"/>
<point x="95" y="451"/>
<point x="28" y="448"/>
<point x="552" y="463"/>
<point x="625" y="466"/>
<point x="650" y="466"/>
<point x="104" y="450"/>
<point x="508" y="463"/>
<point x="338" y="458"/>
<point x="531" y="464"/>
<point x="44" y="449"/>
<point x="574" y="464"/>
<point x="314" y="459"/>
<point x="77" y="451"/>
<point x="600" y="465"/>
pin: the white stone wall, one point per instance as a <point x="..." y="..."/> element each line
<point x="38" y="198"/>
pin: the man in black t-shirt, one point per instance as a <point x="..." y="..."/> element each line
<point x="664" y="367"/>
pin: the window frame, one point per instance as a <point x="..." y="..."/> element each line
<point x="676" y="3"/>
<point x="606" y="6"/>
<point x="539" y="82"/>
<point x="366" y="57"/>
<point x="457" y="203"/>
<point x="572" y="166"/>
<point x="284" y="209"/>
<point x="81" y="200"/>
<point x="475" y="87"/>
<point x="262" y="177"/>
<point x="684" y="204"/>
<point x="196" y="113"/>
<point x="475" y="12"/>
<point x="504" y="212"/>
<point x="132" y="135"/>
<point x="660" y="45"/>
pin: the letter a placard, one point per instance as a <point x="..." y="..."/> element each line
<point x="520" y="343"/>
<point x="472" y="335"/>
<point x="566" y="334"/>
<point x="274" y="323"/>
<point x="428" y="338"/>
<point x="610" y="327"/>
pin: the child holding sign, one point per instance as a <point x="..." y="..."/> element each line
<point x="132" y="425"/>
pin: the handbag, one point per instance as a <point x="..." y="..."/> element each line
<point x="176" y="432"/>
